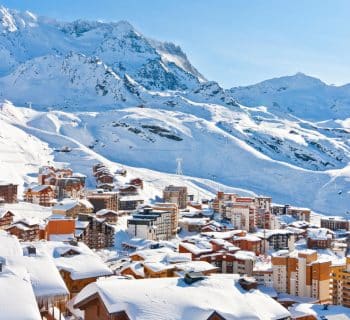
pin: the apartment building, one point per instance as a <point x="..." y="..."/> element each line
<point x="103" y="199"/>
<point x="151" y="224"/>
<point x="335" y="223"/>
<point x="340" y="284"/>
<point x="242" y="213"/>
<point x="176" y="194"/>
<point x="301" y="274"/>
<point x="8" y="192"/>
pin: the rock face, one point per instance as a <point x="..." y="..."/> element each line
<point x="106" y="88"/>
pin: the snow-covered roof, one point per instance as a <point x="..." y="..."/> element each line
<point x="86" y="264"/>
<point x="199" y="247"/>
<point x="244" y="255"/>
<point x="319" y="234"/>
<point x="317" y="310"/>
<point x="39" y="188"/>
<point x="173" y="299"/>
<point x="10" y="245"/>
<point x="194" y="266"/>
<point x="66" y="204"/>
<point x="45" y="284"/>
<point x="17" y="299"/>
<point x="3" y="211"/>
<point x="103" y="212"/>
<point x="154" y="255"/>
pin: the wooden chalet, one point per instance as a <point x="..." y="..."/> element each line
<point x="43" y="195"/>
<point x="6" y="218"/>
<point x="25" y="230"/>
<point x="8" y="192"/>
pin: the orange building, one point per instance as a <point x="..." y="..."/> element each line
<point x="59" y="226"/>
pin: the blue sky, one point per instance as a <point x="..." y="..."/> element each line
<point x="234" y="42"/>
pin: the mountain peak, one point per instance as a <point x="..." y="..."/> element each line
<point x="13" y="20"/>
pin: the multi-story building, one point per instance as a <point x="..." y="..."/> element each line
<point x="151" y="224"/>
<point x="242" y="213"/>
<point x="103" y="200"/>
<point x="43" y="195"/>
<point x="176" y="194"/>
<point x="301" y="274"/>
<point x="297" y="213"/>
<point x="174" y="210"/>
<point x="94" y="232"/>
<point x="8" y="192"/>
<point x="277" y="239"/>
<point x="335" y="223"/>
<point x="319" y="238"/>
<point x="221" y="199"/>
<point x="340" y="284"/>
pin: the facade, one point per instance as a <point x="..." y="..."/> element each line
<point x="103" y="200"/>
<point x="43" y="195"/>
<point x="278" y="239"/>
<point x="6" y="218"/>
<point x="8" y="192"/>
<point x="335" y="223"/>
<point x="176" y="194"/>
<point x="340" y="284"/>
<point x="59" y="226"/>
<point x="97" y="233"/>
<point x="301" y="274"/>
<point x="242" y="213"/>
<point x="297" y="213"/>
<point x="129" y="203"/>
<point x="110" y="216"/>
<point x="24" y="230"/>
<point x="151" y="224"/>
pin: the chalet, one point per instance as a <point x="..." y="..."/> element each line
<point x="137" y="182"/>
<point x="6" y="218"/>
<point x="43" y="195"/>
<point x="8" y="192"/>
<point x="98" y="166"/>
<point x="115" y="298"/>
<point x="69" y="187"/>
<point x="110" y="216"/>
<point x="49" y="288"/>
<point x="105" y="178"/>
<point x="129" y="203"/>
<point x="67" y="207"/>
<point x="105" y="186"/>
<point x="128" y="190"/>
<point x="103" y="200"/>
<point x="319" y="238"/>
<point x="25" y="230"/>
<point x="77" y="264"/>
<point x="176" y="194"/>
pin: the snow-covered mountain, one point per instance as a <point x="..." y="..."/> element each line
<point x="300" y="95"/>
<point x="113" y="95"/>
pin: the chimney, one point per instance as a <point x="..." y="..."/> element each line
<point x="192" y="277"/>
<point x="248" y="283"/>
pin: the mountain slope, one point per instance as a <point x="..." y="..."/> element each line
<point x="113" y="95"/>
<point x="299" y="95"/>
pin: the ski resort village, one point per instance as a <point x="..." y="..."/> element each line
<point x="70" y="252"/>
<point x="134" y="188"/>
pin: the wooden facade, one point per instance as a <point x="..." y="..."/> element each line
<point x="8" y="192"/>
<point x="6" y="218"/>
